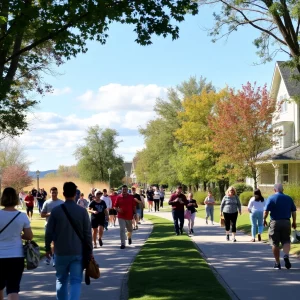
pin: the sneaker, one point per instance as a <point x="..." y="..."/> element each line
<point x="287" y="263"/>
<point x="234" y="240"/>
<point x="48" y="261"/>
<point x="212" y="223"/>
<point x="177" y="233"/>
<point x="259" y="237"/>
<point x="129" y="241"/>
<point x="100" y="242"/>
<point x="136" y="227"/>
<point x="206" y="221"/>
<point x="227" y="237"/>
<point x="277" y="266"/>
<point x="192" y="230"/>
<point x="122" y="247"/>
<point x="95" y="246"/>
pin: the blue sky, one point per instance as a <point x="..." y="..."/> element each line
<point x="115" y="85"/>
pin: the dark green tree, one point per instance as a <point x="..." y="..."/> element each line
<point x="98" y="154"/>
<point x="35" y="33"/>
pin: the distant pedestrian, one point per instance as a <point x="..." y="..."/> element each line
<point x="91" y="195"/>
<point x="256" y="209"/>
<point x="142" y="195"/>
<point x="230" y="206"/>
<point x="149" y="194"/>
<point x="209" y="207"/>
<point x="137" y="216"/>
<point x="68" y="246"/>
<point x="14" y="226"/>
<point x="40" y="200"/>
<point x="77" y="195"/>
<point x="156" y="198"/>
<point x="83" y="202"/>
<point x="178" y="201"/>
<point x="281" y="207"/>
<point x="22" y="196"/>
<point x="191" y="206"/>
<point x="162" y="196"/>
<point x="105" y="197"/>
<point x="112" y="212"/>
<point x="29" y="201"/>
<point x="34" y="193"/>
<point x="126" y="208"/>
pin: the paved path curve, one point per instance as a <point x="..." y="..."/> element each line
<point x="114" y="265"/>
<point x="246" y="268"/>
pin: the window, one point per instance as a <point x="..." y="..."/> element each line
<point x="283" y="100"/>
<point x="285" y="173"/>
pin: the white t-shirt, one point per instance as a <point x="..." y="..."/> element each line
<point x="107" y="201"/>
<point x="49" y="205"/>
<point x="10" y="239"/>
<point x="156" y="195"/>
<point x="255" y="205"/>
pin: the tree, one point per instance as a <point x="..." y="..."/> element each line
<point x="16" y="176"/>
<point x="277" y="21"/>
<point x="32" y="33"/>
<point x="242" y="128"/>
<point x="67" y="171"/>
<point x="98" y="154"/>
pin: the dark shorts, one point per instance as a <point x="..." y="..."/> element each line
<point x="280" y="232"/>
<point x="112" y="212"/>
<point x="29" y="209"/>
<point x="11" y="270"/>
<point x="96" y="222"/>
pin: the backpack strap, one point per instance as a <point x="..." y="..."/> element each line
<point x="9" y="222"/>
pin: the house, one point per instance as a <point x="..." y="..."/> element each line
<point x="282" y="162"/>
<point x="130" y="176"/>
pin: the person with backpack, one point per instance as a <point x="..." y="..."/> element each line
<point x="14" y="226"/>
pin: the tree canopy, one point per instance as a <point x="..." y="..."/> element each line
<point x="35" y="33"/>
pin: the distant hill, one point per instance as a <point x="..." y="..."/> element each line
<point x="42" y="173"/>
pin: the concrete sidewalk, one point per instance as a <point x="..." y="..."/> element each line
<point x="245" y="268"/>
<point x="114" y="265"/>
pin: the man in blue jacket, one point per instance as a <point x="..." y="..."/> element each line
<point x="281" y="208"/>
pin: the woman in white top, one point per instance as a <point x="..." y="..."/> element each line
<point x="256" y="209"/>
<point x="156" y="198"/>
<point x="14" y="226"/>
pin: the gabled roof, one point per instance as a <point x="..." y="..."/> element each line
<point x="292" y="86"/>
<point x="290" y="153"/>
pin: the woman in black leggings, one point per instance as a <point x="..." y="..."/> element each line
<point x="230" y="206"/>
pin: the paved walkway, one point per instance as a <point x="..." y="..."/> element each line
<point x="246" y="268"/>
<point x="114" y="264"/>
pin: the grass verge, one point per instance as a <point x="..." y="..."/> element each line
<point x="244" y="224"/>
<point x="170" y="267"/>
<point x="38" y="229"/>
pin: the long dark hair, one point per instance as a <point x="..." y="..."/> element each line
<point x="257" y="192"/>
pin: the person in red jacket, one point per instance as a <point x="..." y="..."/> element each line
<point x="112" y="212"/>
<point x="126" y="207"/>
<point x="178" y="201"/>
<point x="29" y="200"/>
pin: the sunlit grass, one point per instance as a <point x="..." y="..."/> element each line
<point x="169" y="267"/>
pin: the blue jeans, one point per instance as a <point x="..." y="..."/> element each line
<point x="68" y="266"/>
<point x="210" y="212"/>
<point x="256" y="221"/>
<point x="178" y="215"/>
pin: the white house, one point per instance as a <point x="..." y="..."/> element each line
<point x="283" y="160"/>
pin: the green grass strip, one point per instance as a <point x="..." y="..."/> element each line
<point x="170" y="267"/>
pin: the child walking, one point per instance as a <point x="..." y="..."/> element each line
<point x="209" y="207"/>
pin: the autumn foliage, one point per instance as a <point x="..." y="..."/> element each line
<point x="16" y="176"/>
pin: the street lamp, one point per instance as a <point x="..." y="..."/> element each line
<point x="126" y="174"/>
<point x="109" y="173"/>
<point x="38" y="179"/>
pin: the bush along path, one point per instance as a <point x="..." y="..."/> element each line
<point x="245" y="268"/>
<point x="170" y="267"/>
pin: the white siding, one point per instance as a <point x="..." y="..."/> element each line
<point x="267" y="174"/>
<point x="287" y="109"/>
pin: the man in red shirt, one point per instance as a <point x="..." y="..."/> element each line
<point x="178" y="201"/>
<point x="29" y="200"/>
<point x="112" y="212"/>
<point x="126" y="207"/>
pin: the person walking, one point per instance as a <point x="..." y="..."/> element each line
<point x="162" y="196"/>
<point x="112" y="212"/>
<point x="47" y="208"/>
<point x="105" y="197"/>
<point x="98" y="210"/>
<point x="256" y="210"/>
<point x="137" y="216"/>
<point x="149" y="194"/>
<point x="230" y="206"/>
<point x="126" y="208"/>
<point x="142" y="195"/>
<point x="29" y="201"/>
<point x="22" y="196"/>
<point x="68" y="245"/>
<point x="156" y="198"/>
<point x="191" y="206"/>
<point x="14" y="226"/>
<point x="281" y="207"/>
<point x="178" y="201"/>
<point x="209" y="207"/>
<point x="83" y="202"/>
<point x="41" y="198"/>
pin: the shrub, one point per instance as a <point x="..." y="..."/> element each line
<point x="245" y="197"/>
<point x="293" y="190"/>
<point x="242" y="187"/>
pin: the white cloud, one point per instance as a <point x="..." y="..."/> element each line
<point x="121" y="97"/>
<point x="63" y="91"/>
<point x="134" y="120"/>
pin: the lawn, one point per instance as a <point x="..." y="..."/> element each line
<point x="170" y="267"/>
<point x="244" y="224"/>
<point x="38" y="229"/>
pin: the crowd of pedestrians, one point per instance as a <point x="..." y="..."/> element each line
<point x="76" y="226"/>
